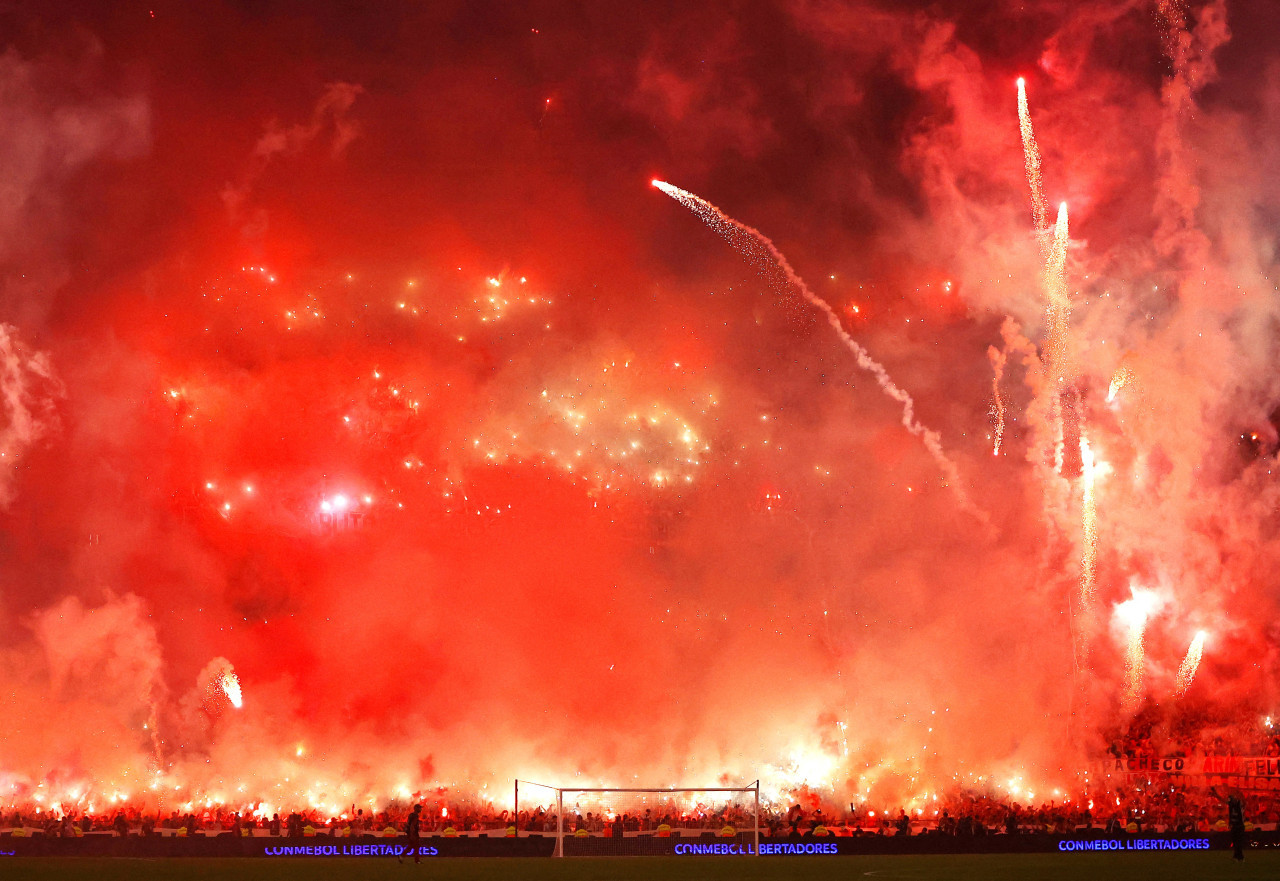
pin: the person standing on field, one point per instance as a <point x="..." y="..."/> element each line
<point x="1235" y="822"/>
<point x="413" y="832"/>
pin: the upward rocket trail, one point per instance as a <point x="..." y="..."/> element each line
<point x="997" y="358"/>
<point x="1059" y="313"/>
<point x="1053" y="249"/>
<point x="757" y="247"/>
<point x="1089" y="525"/>
<point x="1031" y="153"/>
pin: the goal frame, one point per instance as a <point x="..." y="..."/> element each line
<point x="753" y="789"/>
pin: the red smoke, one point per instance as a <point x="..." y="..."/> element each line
<point x="251" y="261"/>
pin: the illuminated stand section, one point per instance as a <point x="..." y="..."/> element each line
<point x="639" y="822"/>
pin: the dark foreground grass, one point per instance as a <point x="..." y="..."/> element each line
<point x="1179" y="866"/>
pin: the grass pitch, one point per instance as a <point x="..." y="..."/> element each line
<point x="1180" y="866"/>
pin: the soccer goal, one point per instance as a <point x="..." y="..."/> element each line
<point x="633" y="821"/>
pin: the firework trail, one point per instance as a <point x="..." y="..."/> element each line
<point x="153" y="726"/>
<point x="1059" y="313"/>
<point x="1055" y="287"/>
<point x="1190" y="43"/>
<point x="1190" y="664"/>
<point x="1089" y="525"/>
<point x="1031" y="152"/>
<point x="1134" y="614"/>
<point x="1133" y="658"/>
<point x="997" y="404"/>
<point x="1053" y="247"/>
<point x="758" y="247"/>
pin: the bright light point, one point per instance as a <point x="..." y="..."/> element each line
<point x="1091" y="466"/>
<point x="1135" y="611"/>
<point x="655" y="182"/>
<point x="340" y="502"/>
<point x="1022" y="83"/>
<point x="231" y="688"/>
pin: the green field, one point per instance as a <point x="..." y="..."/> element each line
<point x="988" y="867"/>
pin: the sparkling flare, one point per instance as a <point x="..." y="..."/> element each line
<point x="1134" y="613"/>
<point x="230" y="684"/>
<point x="1190" y="664"/>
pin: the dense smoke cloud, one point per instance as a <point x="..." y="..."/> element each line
<point x="353" y="359"/>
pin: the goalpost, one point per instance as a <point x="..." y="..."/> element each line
<point x="632" y="821"/>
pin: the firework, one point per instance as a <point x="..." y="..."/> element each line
<point x="997" y="359"/>
<point x="1121" y="378"/>
<point x="1133" y="614"/>
<point x="1089" y="525"/>
<point x="1053" y="246"/>
<point x="758" y="248"/>
<point x="1058" y="373"/>
<point x="221" y="687"/>
<point x="1190" y="664"/>
<point x="1031" y="154"/>
<point x="230" y="685"/>
<point x="1059" y="304"/>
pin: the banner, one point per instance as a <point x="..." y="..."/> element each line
<point x="1257" y="768"/>
<point x="321" y="848"/>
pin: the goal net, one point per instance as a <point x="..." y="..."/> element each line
<point x="634" y="822"/>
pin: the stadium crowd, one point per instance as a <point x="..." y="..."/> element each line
<point x="1116" y="798"/>
<point x="1193" y="734"/>
<point x="1142" y="807"/>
